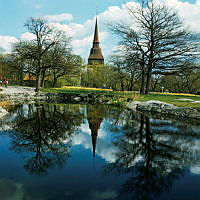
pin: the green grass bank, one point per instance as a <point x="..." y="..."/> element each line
<point x="181" y="100"/>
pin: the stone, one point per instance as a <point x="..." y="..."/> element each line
<point x="3" y="112"/>
<point x="77" y="99"/>
<point x="184" y="99"/>
<point x="164" y="108"/>
<point x="133" y="105"/>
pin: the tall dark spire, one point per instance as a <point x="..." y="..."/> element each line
<point x="94" y="118"/>
<point x="94" y="125"/>
<point x="96" y="35"/>
<point x="94" y="140"/>
<point x="96" y="56"/>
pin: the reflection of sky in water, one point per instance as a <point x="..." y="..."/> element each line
<point x="81" y="176"/>
<point x="104" y="148"/>
<point x="77" y="180"/>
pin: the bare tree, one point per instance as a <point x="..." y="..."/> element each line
<point x="159" y="39"/>
<point x="45" y="37"/>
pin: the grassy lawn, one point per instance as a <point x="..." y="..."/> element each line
<point x="164" y="97"/>
<point x="76" y="90"/>
<point x="172" y="99"/>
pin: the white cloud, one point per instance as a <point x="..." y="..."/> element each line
<point x="6" y="43"/>
<point x="27" y="36"/>
<point x="80" y="46"/>
<point x="59" y="18"/>
<point x="76" y="30"/>
<point x="188" y="12"/>
<point x="113" y="14"/>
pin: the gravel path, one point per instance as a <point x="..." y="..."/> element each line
<point x="17" y="89"/>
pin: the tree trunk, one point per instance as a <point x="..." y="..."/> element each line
<point x="43" y="77"/>
<point x="154" y="85"/>
<point x="54" y="80"/>
<point x="130" y="88"/>
<point x="142" y="82"/>
<point x="122" y="85"/>
<point x="148" y="80"/>
<point x="21" y="77"/>
<point x="38" y="84"/>
<point x="39" y="74"/>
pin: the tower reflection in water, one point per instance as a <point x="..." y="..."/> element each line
<point x="95" y="115"/>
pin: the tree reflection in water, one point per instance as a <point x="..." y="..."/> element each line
<point x="45" y="133"/>
<point x="153" y="154"/>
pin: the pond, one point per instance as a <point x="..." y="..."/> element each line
<point x="96" y="152"/>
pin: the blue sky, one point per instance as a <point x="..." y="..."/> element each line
<point x="77" y="19"/>
<point x="13" y="15"/>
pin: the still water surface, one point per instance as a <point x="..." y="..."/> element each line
<point x="96" y="152"/>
